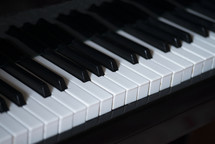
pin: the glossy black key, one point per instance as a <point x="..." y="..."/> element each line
<point x="97" y="56"/>
<point x="11" y="93"/>
<point x="116" y="48"/>
<point x="44" y="73"/>
<point x="203" y="31"/>
<point x="195" y="19"/>
<point x="91" y="65"/>
<point x="28" y="79"/>
<point x="171" y="30"/>
<point x="148" y="38"/>
<point x="169" y="38"/>
<point x="3" y="106"/>
<point x="67" y="65"/>
<point x="128" y="44"/>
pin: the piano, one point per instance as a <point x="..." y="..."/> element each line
<point x="108" y="71"/>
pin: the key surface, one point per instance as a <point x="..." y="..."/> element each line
<point x="5" y="136"/>
<point x="116" y="48"/>
<point x="3" y="105"/>
<point x="44" y="74"/>
<point x="127" y="44"/>
<point x="83" y="61"/>
<point x="11" y="93"/>
<point x="148" y="74"/>
<point x="28" y="79"/>
<point x="148" y="38"/>
<point x="172" y="30"/>
<point x="169" y="38"/>
<point x="103" y="59"/>
<point x="105" y="97"/>
<point x="18" y="131"/>
<point x="67" y="65"/>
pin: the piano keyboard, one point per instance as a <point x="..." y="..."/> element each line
<point x="113" y="55"/>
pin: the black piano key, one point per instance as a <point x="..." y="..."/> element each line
<point x="195" y="19"/>
<point x="169" y="38"/>
<point x="11" y="93"/>
<point x="116" y="48"/>
<point x="92" y="66"/>
<point x="28" y="79"/>
<point x="163" y="46"/>
<point x="193" y="27"/>
<point x="171" y="30"/>
<point x="44" y="73"/>
<point x="3" y="106"/>
<point x="67" y="65"/>
<point x="97" y="56"/>
<point x="128" y="44"/>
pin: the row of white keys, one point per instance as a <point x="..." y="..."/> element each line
<point x="155" y="79"/>
<point x="130" y="87"/>
<point x="108" y="100"/>
<point x="163" y="60"/>
<point x="64" y="115"/>
<point x="33" y="125"/>
<point x="192" y="48"/>
<point x="49" y="120"/>
<point x="19" y="132"/>
<point x="5" y="137"/>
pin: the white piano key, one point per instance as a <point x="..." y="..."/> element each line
<point x="65" y="115"/>
<point x="207" y="57"/>
<point x="197" y="61"/>
<point x="143" y="83"/>
<point x="176" y="69"/>
<point x="186" y="65"/>
<point x="165" y="73"/>
<point x="48" y="118"/>
<point x="105" y="97"/>
<point x="34" y="126"/>
<point x="129" y="86"/>
<point x="18" y="131"/>
<point x="155" y="79"/>
<point x="87" y="99"/>
<point x="117" y="91"/>
<point x="5" y="137"/>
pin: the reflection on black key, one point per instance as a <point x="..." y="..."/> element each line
<point x="193" y="27"/>
<point x="195" y="19"/>
<point x="99" y="57"/>
<point x="67" y="65"/>
<point x="128" y="44"/>
<point x="116" y="48"/>
<point x="91" y="65"/>
<point x="148" y="38"/>
<point x="159" y="34"/>
<point x="3" y="105"/>
<point x="172" y="30"/>
<point x="11" y="93"/>
<point x="28" y="79"/>
<point x="44" y="73"/>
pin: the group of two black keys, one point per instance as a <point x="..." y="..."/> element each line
<point x="58" y="46"/>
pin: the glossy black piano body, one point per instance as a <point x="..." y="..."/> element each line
<point x="163" y="118"/>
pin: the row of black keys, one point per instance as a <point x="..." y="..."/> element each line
<point x="66" y="51"/>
